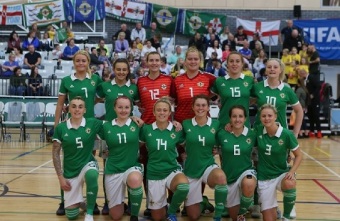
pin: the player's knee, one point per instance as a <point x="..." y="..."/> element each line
<point x="288" y="184"/>
<point x="91" y="177"/>
<point x="183" y="188"/>
<point x="219" y="177"/>
<point x="248" y="186"/>
<point x="135" y="180"/>
<point x="72" y="214"/>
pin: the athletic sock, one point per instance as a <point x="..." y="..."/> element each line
<point x="136" y="196"/>
<point x="72" y="214"/>
<point x="179" y="196"/>
<point x="256" y="197"/>
<point x="62" y="195"/>
<point x="289" y="197"/>
<point x="221" y="193"/>
<point x="91" y="180"/>
<point x="246" y="202"/>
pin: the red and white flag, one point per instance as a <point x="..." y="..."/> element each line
<point x="125" y="10"/>
<point x="10" y="14"/>
<point x="268" y="30"/>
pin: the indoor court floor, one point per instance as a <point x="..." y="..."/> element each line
<point x="29" y="188"/>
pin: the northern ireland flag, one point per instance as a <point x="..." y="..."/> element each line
<point x="10" y="14"/>
<point x="268" y="30"/>
<point x="125" y="10"/>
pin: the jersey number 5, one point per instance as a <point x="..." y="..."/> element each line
<point x="79" y="142"/>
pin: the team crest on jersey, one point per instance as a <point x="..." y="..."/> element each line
<point x="181" y="85"/>
<point x="93" y="83"/>
<point x="248" y="141"/>
<point x="282" y="95"/>
<point x="163" y="86"/>
<point x="132" y="128"/>
<point x="213" y="131"/>
<point x="131" y="91"/>
<point x="245" y="84"/>
<point x="280" y="142"/>
<point x="173" y="135"/>
<point x="144" y="89"/>
<point x="88" y="130"/>
<point x="200" y="84"/>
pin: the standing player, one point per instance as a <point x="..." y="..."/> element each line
<point x="236" y="148"/>
<point x="234" y="88"/>
<point x="76" y="136"/>
<point x="81" y="83"/>
<point x="121" y="168"/>
<point x="273" y="172"/>
<point x="119" y="86"/>
<point x="163" y="171"/>
<point x="200" y="133"/>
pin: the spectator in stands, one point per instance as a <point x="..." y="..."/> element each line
<point x="123" y="28"/>
<point x="217" y="69"/>
<point x="303" y="96"/>
<point x="209" y="62"/>
<point x="164" y="68"/>
<point x="94" y="59"/>
<point x="101" y="46"/>
<point x="246" y="70"/>
<point x="214" y="48"/>
<point x="230" y="41"/>
<point x="261" y="75"/>
<point x="294" y="40"/>
<point x="36" y="30"/>
<point x="245" y="51"/>
<point x="13" y="42"/>
<point x="104" y="58"/>
<point x="178" y="54"/>
<point x="152" y="31"/>
<point x="295" y="56"/>
<point x="208" y="36"/>
<point x="198" y="42"/>
<point x="51" y="33"/>
<point x="213" y="37"/>
<point x="240" y="36"/>
<point x="31" y="39"/>
<point x="256" y="51"/>
<point x="139" y="43"/>
<point x="70" y="50"/>
<point x="225" y="53"/>
<point x="35" y="86"/>
<point x="134" y="51"/>
<point x="32" y="58"/>
<point x="9" y="66"/>
<point x="56" y="53"/>
<point x="147" y="48"/>
<point x="138" y="31"/>
<point x="17" y="83"/>
<point x="178" y="68"/>
<point x="19" y="57"/>
<point x="155" y="42"/>
<point x="134" y="65"/>
<point x="259" y="61"/>
<point x="121" y="44"/>
<point x="225" y="34"/>
<point x="46" y="43"/>
<point x="287" y="31"/>
<point x="70" y="34"/>
<point x="252" y="43"/>
<point x="303" y="51"/>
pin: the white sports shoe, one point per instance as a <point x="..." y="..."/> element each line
<point x="278" y="213"/>
<point x="285" y="219"/>
<point x="88" y="217"/>
<point x="256" y="213"/>
<point x="293" y="213"/>
<point x="241" y="218"/>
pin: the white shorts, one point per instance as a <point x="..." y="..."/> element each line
<point x="195" y="187"/>
<point x="235" y="191"/>
<point x="75" y="195"/>
<point x="115" y="185"/>
<point x="267" y="192"/>
<point x="157" y="191"/>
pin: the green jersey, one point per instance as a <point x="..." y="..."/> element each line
<point x="77" y="144"/>
<point x="86" y="88"/>
<point x="123" y="143"/>
<point x="273" y="152"/>
<point x="279" y="97"/>
<point x="236" y="152"/>
<point x="111" y="90"/>
<point x="199" y="144"/>
<point x="162" y="151"/>
<point x="233" y="92"/>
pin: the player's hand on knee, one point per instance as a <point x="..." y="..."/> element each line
<point x="64" y="184"/>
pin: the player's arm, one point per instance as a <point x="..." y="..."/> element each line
<point x="64" y="184"/>
<point x="297" y="161"/>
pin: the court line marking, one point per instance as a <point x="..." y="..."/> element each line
<point x="322" y="151"/>
<point x="29" y="152"/>
<point x="326" y="190"/>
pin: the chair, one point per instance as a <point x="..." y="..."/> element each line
<point x="44" y="55"/>
<point x="54" y="87"/>
<point x="61" y="73"/>
<point x="49" y="116"/>
<point x="99" y="110"/>
<point x="214" y="111"/>
<point x="13" y="116"/>
<point x="3" y="46"/>
<point x="4" y="86"/>
<point x="2" y="105"/>
<point x="33" y="118"/>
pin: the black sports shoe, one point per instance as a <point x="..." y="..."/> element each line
<point x="147" y="213"/>
<point x="61" y="210"/>
<point x="127" y="209"/>
<point x="133" y="218"/>
<point x="105" y="210"/>
<point x="96" y="211"/>
<point x="184" y="212"/>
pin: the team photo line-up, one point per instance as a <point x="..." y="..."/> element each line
<point x="172" y="150"/>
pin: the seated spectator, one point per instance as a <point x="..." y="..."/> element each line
<point x="70" y="50"/>
<point x="32" y="58"/>
<point x="231" y="42"/>
<point x="70" y="34"/>
<point x="155" y="42"/>
<point x="94" y="58"/>
<point x="57" y="52"/>
<point x="104" y="58"/>
<point x="225" y="53"/>
<point x="134" y="51"/>
<point x="225" y="34"/>
<point x="261" y="75"/>
<point x="147" y="48"/>
<point x="256" y="37"/>
<point x="51" y="33"/>
<point x="35" y="86"/>
<point x="31" y="39"/>
<point x="255" y="52"/>
<point x="245" y="51"/>
<point x="134" y="65"/>
<point x="150" y="32"/>
<point x="139" y="32"/>
<point x="140" y="72"/>
<point x="139" y="44"/>
<point x="178" y="68"/>
<point x="17" y="83"/>
<point x="240" y="36"/>
<point x="294" y="55"/>
<point x="258" y="64"/>
<point x="174" y="58"/>
<point x="217" y="69"/>
<point x="46" y="43"/>
<point x="13" y="42"/>
<point x="123" y="28"/>
<point x="9" y="66"/>
<point x="101" y="46"/>
<point x="164" y="68"/>
<point x="121" y="44"/>
<point x="246" y="70"/>
<point x="19" y="57"/>
<point x="209" y="64"/>
<point x="198" y="42"/>
<point x="215" y="48"/>
<point x="36" y="30"/>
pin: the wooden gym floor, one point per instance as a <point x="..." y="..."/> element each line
<point x="29" y="188"/>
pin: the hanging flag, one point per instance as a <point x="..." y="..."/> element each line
<point x="84" y="10"/>
<point x="10" y="14"/>
<point x="267" y="30"/>
<point x="125" y="10"/>
<point x="199" y="22"/>
<point x="165" y="17"/>
<point x="44" y="13"/>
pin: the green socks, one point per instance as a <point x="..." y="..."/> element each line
<point x="246" y="202"/>
<point x="221" y="193"/>
<point x="179" y="196"/>
<point x="72" y="214"/>
<point x="136" y="196"/>
<point x="91" y="180"/>
<point x="289" y="197"/>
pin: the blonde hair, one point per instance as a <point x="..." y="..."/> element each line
<point x="86" y="54"/>
<point x="193" y="50"/>
<point x="268" y="106"/>
<point x="282" y="67"/>
<point x="165" y="100"/>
